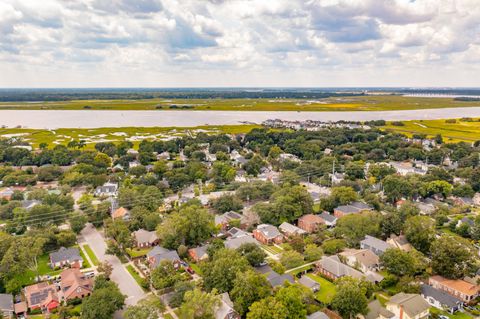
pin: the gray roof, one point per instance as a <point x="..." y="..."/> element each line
<point x="291" y="229"/>
<point x="234" y="243"/>
<point x="265" y="269"/>
<point x="200" y="251"/>
<point x="347" y="209"/>
<point x="65" y="254"/>
<point x="144" y="236"/>
<point x="328" y="217"/>
<point x="318" y="315"/>
<point x="269" y="231"/>
<point x="375" y="309"/>
<point x="376" y="244"/>
<point x="333" y="265"/>
<point x="466" y="220"/>
<point x="157" y="250"/>
<point x="308" y="282"/>
<point x="278" y="280"/>
<point x="442" y="297"/>
<point x="227" y="217"/>
<point x="28" y="204"/>
<point x="361" y="205"/>
<point x="6" y="302"/>
<point x="236" y="232"/>
<point x="171" y="255"/>
<point x="412" y="304"/>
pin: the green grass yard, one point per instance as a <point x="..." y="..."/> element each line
<point x="299" y="270"/>
<point x="327" y="289"/>
<point x="272" y="249"/>
<point x="140" y="280"/>
<point x="456" y="315"/>
<point x="91" y="255"/>
<point x="135" y="253"/>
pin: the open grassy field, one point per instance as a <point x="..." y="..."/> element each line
<point x="134" y="134"/>
<point x="451" y="132"/>
<point x="355" y="103"/>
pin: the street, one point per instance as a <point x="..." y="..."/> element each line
<point x="128" y="286"/>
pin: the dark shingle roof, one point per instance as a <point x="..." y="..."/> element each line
<point x="440" y="296"/>
<point x="6" y="302"/>
<point x="65" y="254"/>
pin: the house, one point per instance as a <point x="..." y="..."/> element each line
<point x="121" y="213"/>
<point x="144" y="238"/>
<point x="362" y="259"/>
<point x="461" y="289"/>
<point x="6" y="306"/>
<point x="405" y="168"/>
<point x="107" y="189"/>
<point x="425" y="208"/>
<point x="198" y="253"/>
<point x="337" y="178"/>
<point x="352" y="208"/>
<point x="74" y="284"/>
<point x="309" y="283"/>
<point x="376" y="245"/>
<point x="377" y="311"/>
<point x="277" y="280"/>
<point x="20" y="309"/>
<point x="236" y="242"/>
<point x="158" y="254"/>
<point x="408" y="306"/>
<point x="331" y="267"/>
<point x="268" y="234"/>
<point x="42" y="296"/>
<point x="226" y="310"/>
<point x="328" y="219"/>
<point x="29" y="204"/>
<point x="399" y="242"/>
<point x="463" y="201"/>
<point x="6" y="193"/>
<point x="66" y="257"/>
<point x="224" y="220"/>
<point x="465" y="220"/>
<point x="440" y="299"/>
<point x="318" y="315"/>
<point x="310" y="223"/>
<point x="236" y="232"/>
<point x="290" y="230"/>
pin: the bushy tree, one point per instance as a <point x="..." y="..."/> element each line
<point x="452" y="257"/>
<point x="248" y="288"/>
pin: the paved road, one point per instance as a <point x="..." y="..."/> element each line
<point x="128" y="286"/>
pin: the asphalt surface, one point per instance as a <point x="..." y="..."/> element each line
<point x="128" y="286"/>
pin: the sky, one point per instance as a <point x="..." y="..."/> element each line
<point x="239" y="43"/>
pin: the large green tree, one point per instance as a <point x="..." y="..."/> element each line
<point x="350" y="299"/>
<point x="453" y="257"/>
<point x="199" y="305"/>
<point x="420" y="232"/>
<point x="220" y="272"/>
<point x="105" y="299"/>
<point x="248" y="288"/>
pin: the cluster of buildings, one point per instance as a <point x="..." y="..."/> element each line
<point x="311" y="125"/>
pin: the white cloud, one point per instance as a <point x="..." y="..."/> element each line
<point x="238" y="42"/>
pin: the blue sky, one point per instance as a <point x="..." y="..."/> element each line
<point x="186" y="43"/>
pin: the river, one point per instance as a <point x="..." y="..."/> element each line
<point x="53" y="119"/>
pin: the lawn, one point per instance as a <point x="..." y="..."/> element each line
<point x="86" y="264"/>
<point x="135" y="253"/>
<point x="91" y="254"/>
<point x="167" y="316"/>
<point x="140" y="280"/>
<point x="456" y="315"/>
<point x="451" y="132"/>
<point x="196" y="268"/>
<point x="350" y="103"/>
<point x="327" y="289"/>
<point x="272" y="249"/>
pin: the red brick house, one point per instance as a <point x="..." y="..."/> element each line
<point x="268" y="234"/>
<point x="310" y="223"/>
<point x="74" y="284"/>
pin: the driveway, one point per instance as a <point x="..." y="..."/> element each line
<point x="128" y="286"/>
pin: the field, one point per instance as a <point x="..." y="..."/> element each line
<point x="355" y="103"/>
<point x="134" y="134"/>
<point x="451" y="132"/>
<point x="327" y="289"/>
